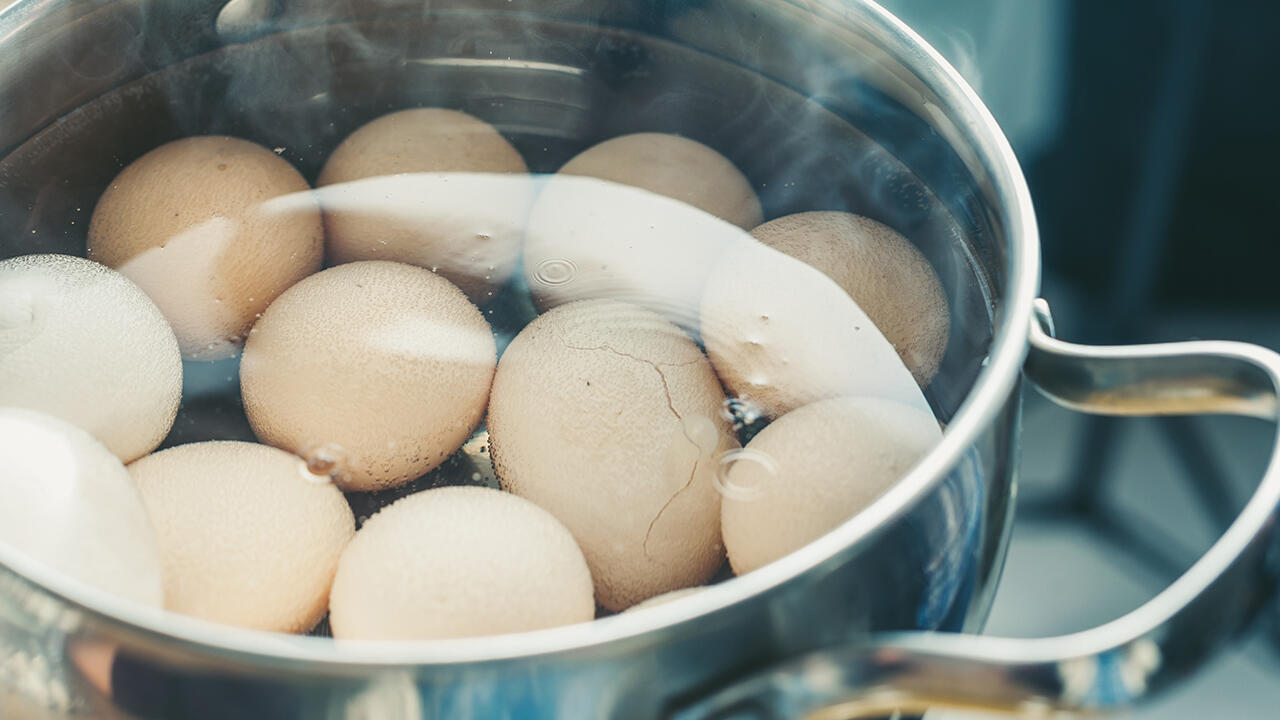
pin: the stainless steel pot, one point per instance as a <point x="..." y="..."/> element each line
<point x="825" y="104"/>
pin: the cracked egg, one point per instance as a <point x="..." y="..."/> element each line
<point x="608" y="416"/>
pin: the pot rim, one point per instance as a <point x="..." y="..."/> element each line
<point x="995" y="383"/>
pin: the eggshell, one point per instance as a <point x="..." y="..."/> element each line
<point x="459" y="562"/>
<point x="66" y="501"/>
<point x="247" y="535"/>
<point x="81" y="342"/>
<point x="471" y="234"/>
<point x="782" y="335"/>
<point x="377" y="370"/>
<point x="664" y="598"/>
<point x="184" y="222"/>
<point x="881" y="270"/>
<point x="814" y="468"/>
<point x="640" y="218"/>
<point x="610" y="418"/>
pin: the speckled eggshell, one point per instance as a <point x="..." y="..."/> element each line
<point x="190" y="223"/>
<point x="459" y="562"/>
<point x="380" y="369"/>
<point x="451" y="212"/>
<point x="81" y="342"/>
<point x="247" y="535"/>
<point x="609" y="417"/>
<point x="67" y="502"/>
<point x="640" y="219"/>
<point x="782" y="335"/>
<point x="814" y="468"/>
<point x="881" y="270"/>
<point x="674" y="166"/>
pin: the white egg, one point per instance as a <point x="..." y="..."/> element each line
<point x="67" y="502"/>
<point x="814" y="468"/>
<point x="79" y="341"/>
<point x="377" y="370"/>
<point x="459" y="562"/>
<point x="664" y="598"/>
<point x="247" y="535"/>
<point x="184" y="222"/>
<point x="426" y="187"/>
<point x="782" y="335"/>
<point x="610" y="418"/>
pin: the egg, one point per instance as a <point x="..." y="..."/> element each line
<point x="248" y="537"/>
<point x="375" y="370"/>
<point x="782" y="335"/>
<point x="185" y="223"/>
<point x="881" y="270"/>
<point x="674" y="166"/>
<point x="664" y="598"/>
<point x="641" y="218"/>
<point x="67" y="502"/>
<point x="814" y="468"/>
<point x="425" y="187"/>
<point x="81" y="342"/>
<point x="459" y="562"/>
<point x="610" y="418"/>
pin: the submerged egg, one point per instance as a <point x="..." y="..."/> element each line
<point x="246" y="537"/>
<point x="186" y="222"/>
<point x="471" y="235"/>
<point x="674" y="166"/>
<point x="81" y="342"/>
<point x="608" y="416"/>
<point x="814" y="468"/>
<point x="881" y="270"/>
<point x="67" y="502"/>
<point x="383" y="366"/>
<point x="641" y="219"/>
<point x="459" y="562"/>
<point x="782" y="335"/>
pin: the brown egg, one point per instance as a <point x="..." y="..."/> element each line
<point x="814" y="468"/>
<point x="881" y="270"/>
<point x="674" y="166"/>
<point x="81" y="342"/>
<point x="459" y="562"/>
<point x="641" y="219"/>
<point x="66" y="502"/>
<point x="782" y="335"/>
<point x="609" y="417"/>
<point x="185" y="223"/>
<point x="374" y="371"/>
<point x="247" y="535"/>
<point x="447" y="209"/>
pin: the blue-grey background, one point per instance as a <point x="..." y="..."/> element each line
<point x="1148" y="130"/>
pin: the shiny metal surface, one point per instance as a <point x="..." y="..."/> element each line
<point x="94" y="83"/>
<point x="1104" y="668"/>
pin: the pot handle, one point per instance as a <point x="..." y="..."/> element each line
<point x="1104" y="668"/>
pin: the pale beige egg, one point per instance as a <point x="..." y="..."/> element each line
<point x="81" y="342"/>
<point x="248" y="536"/>
<point x="377" y="371"/>
<point x="782" y="335"/>
<point x="664" y="598"/>
<point x="814" y="468"/>
<point x="186" y="222"/>
<point x="641" y="219"/>
<point x="459" y="562"/>
<point x="881" y="270"/>
<point x="67" y="502"/>
<point x="674" y="166"/>
<point x="610" y="418"/>
<point x="447" y="208"/>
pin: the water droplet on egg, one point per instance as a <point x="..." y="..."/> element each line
<point x="733" y="487"/>
<point x="555" y="271"/>
<point x="323" y="463"/>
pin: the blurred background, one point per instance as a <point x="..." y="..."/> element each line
<point x="1150" y="144"/>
